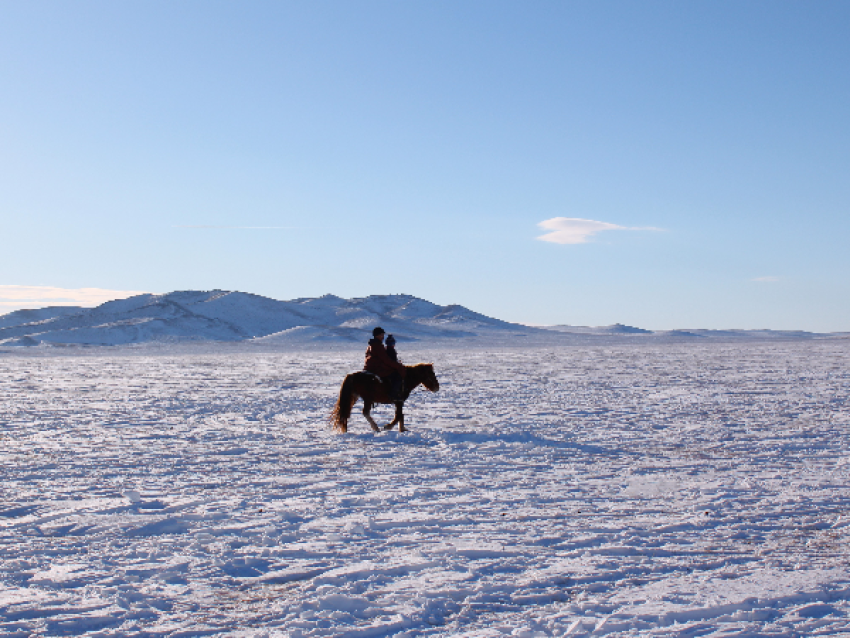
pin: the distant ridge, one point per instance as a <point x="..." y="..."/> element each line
<point x="693" y="333"/>
<point x="19" y="317"/>
<point x="616" y="329"/>
<point x="220" y="315"/>
<point x="225" y="316"/>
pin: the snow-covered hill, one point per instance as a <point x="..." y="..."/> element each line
<point x="237" y="316"/>
<point x="217" y="315"/>
<point x="20" y="317"/>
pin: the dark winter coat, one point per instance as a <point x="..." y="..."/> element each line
<point x="379" y="362"/>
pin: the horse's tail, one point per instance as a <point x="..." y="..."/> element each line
<point x="342" y="410"/>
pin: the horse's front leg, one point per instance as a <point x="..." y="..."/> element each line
<point x="367" y="407"/>
<point x="399" y="417"/>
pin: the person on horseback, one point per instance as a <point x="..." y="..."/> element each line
<point x="379" y="362"/>
<point x="390" y="342"/>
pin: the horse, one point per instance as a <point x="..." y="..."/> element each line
<point x="370" y="387"/>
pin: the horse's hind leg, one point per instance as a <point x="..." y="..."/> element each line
<point x="366" y="409"/>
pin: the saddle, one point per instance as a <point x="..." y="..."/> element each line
<point x="394" y="383"/>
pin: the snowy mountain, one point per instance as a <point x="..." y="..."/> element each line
<point x="237" y="316"/>
<point x="19" y="317"/>
<point x="222" y="316"/>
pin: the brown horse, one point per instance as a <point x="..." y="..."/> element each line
<point x="370" y="387"/>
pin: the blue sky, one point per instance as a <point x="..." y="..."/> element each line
<point x="293" y="149"/>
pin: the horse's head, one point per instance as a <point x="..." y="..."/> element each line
<point x="429" y="379"/>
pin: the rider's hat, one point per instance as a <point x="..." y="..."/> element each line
<point x="377" y="331"/>
<point x="390" y="340"/>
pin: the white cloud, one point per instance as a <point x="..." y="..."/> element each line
<point x="762" y="280"/>
<point x="572" y="230"/>
<point x="16" y="297"/>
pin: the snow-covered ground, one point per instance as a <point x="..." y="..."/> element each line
<point x="624" y="490"/>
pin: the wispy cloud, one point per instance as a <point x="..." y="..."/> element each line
<point x="763" y="280"/>
<point x="572" y="230"/>
<point x="240" y="227"/>
<point x="14" y="297"/>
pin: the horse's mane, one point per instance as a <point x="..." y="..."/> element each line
<point x="422" y="373"/>
<point x="420" y="370"/>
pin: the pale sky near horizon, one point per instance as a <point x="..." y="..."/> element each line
<point x="662" y="164"/>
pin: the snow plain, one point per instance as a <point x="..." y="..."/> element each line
<point x="619" y="489"/>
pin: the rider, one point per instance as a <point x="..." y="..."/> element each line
<point x="380" y="363"/>
<point x="391" y="353"/>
